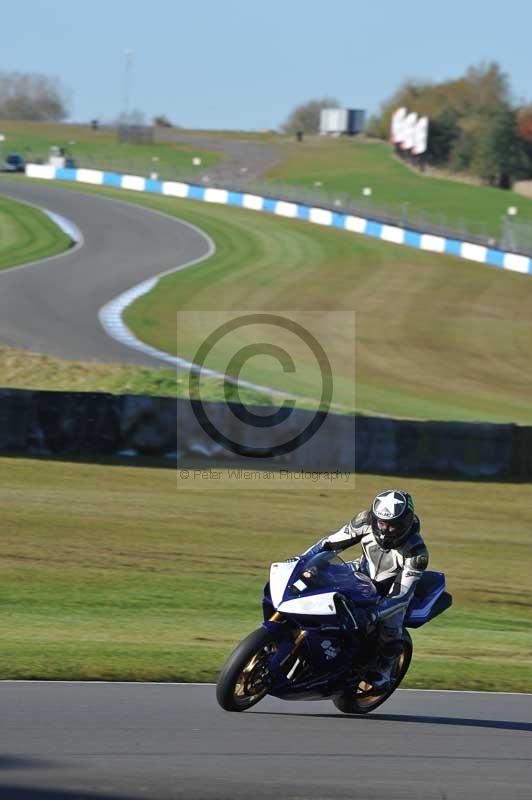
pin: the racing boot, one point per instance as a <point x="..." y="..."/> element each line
<point x="381" y="677"/>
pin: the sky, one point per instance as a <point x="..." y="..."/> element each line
<point x="245" y="64"/>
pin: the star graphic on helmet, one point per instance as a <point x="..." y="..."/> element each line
<point x="387" y="504"/>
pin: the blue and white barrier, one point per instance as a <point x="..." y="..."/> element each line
<point x="282" y="208"/>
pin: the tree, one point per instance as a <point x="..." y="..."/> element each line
<point x="489" y="88"/>
<point x="306" y="117"/>
<point x="32" y="96"/>
<point x="500" y="157"/>
<point x="444" y="132"/>
<point x="524" y="132"/>
<point x="484" y="89"/>
<point x="524" y="123"/>
<point x="472" y="125"/>
<point x="464" y="154"/>
<point x="162" y="121"/>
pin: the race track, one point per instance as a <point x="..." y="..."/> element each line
<point x="52" y="306"/>
<point x="163" y="741"/>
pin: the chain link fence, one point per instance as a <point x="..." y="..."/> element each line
<point x="511" y="234"/>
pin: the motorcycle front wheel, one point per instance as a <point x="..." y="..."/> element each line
<point x="244" y="678"/>
<point x="362" y="698"/>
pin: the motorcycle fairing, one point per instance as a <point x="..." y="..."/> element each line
<point x="326" y="655"/>
<point x="280" y="573"/>
<point x="291" y="589"/>
<point x="310" y="605"/>
<point x="423" y="606"/>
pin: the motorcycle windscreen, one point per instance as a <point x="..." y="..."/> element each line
<point x="309" y="586"/>
<point x="327" y="571"/>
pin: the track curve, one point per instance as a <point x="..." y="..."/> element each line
<point x="162" y="741"/>
<point x="52" y="306"/>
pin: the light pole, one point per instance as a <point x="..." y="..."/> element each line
<point x="128" y="54"/>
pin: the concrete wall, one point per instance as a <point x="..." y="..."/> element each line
<point x="80" y="423"/>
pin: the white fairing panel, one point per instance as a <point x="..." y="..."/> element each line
<point x="279" y="576"/>
<point x="320" y="604"/>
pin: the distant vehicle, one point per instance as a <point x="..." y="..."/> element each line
<point x="13" y="163"/>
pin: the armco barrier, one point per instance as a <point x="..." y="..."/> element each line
<point x="84" y="424"/>
<point x="321" y="216"/>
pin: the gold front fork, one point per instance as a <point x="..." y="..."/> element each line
<point x="297" y="641"/>
<point x="276" y="617"/>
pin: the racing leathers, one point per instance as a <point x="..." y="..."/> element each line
<point x="394" y="573"/>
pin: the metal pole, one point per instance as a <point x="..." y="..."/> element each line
<point x="127" y="80"/>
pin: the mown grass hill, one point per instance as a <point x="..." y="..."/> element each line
<point x="436" y="337"/>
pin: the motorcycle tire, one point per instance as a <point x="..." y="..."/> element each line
<point x="243" y="680"/>
<point x="360" y="700"/>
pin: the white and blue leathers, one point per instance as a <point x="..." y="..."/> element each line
<point x="394" y="572"/>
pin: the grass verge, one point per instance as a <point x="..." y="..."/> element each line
<point x="346" y="166"/>
<point x="112" y="572"/>
<point x="423" y="321"/>
<point x="436" y="337"/>
<point x="20" y="369"/>
<point x="102" y="150"/>
<point x="26" y="234"/>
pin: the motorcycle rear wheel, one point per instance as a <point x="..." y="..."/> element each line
<point x="361" y="700"/>
<point x="243" y="680"/>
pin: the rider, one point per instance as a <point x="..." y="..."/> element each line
<point x="394" y="556"/>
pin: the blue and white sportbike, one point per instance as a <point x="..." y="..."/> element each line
<point x="306" y="649"/>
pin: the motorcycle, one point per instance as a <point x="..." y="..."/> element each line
<point x="307" y="650"/>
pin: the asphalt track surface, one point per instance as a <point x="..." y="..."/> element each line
<point x="163" y="741"/>
<point x="244" y="160"/>
<point x="52" y="306"/>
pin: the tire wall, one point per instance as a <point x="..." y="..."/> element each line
<point x="95" y="424"/>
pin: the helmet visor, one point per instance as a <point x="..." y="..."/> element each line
<point x="388" y="527"/>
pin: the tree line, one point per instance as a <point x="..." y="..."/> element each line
<point x="475" y="126"/>
<point x="32" y="96"/>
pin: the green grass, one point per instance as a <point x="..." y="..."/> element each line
<point x="422" y="321"/>
<point x="345" y="167"/>
<point x="112" y="572"/>
<point x="436" y="337"/>
<point x="26" y="234"/>
<point x="20" y="369"/>
<point x="102" y="150"/>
